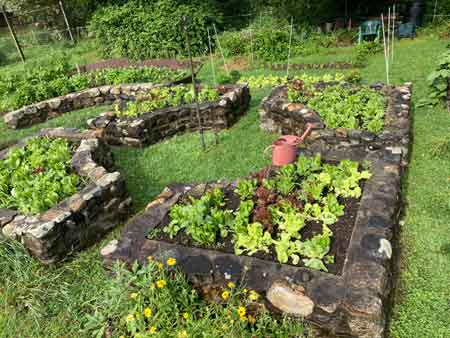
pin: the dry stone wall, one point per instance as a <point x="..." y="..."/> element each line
<point x="162" y="123"/>
<point x="46" y="110"/>
<point x="81" y="219"/>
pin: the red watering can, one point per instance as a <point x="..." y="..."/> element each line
<point x="284" y="150"/>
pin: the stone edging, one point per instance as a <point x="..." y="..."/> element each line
<point x="351" y="304"/>
<point x="81" y="219"/>
<point x="281" y="116"/>
<point x="152" y="127"/>
<point x="48" y="109"/>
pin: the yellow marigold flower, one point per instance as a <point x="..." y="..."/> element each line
<point x="243" y="318"/>
<point x="251" y="319"/>
<point x="231" y="285"/>
<point x="161" y="284"/>
<point x="147" y="312"/>
<point x="186" y="315"/>
<point x="152" y="329"/>
<point x="160" y="266"/>
<point x="171" y="261"/>
<point x="253" y="296"/>
<point x="130" y="318"/>
<point x="182" y="334"/>
<point x="225" y="295"/>
<point x="134" y="295"/>
<point x="242" y="311"/>
<point x="245" y="290"/>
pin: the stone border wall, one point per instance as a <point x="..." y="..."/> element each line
<point x="155" y="126"/>
<point x="81" y="219"/>
<point x="280" y="116"/>
<point x="46" y="110"/>
<point x="353" y="304"/>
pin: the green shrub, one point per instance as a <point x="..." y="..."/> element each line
<point x="139" y="31"/>
<point x="438" y="79"/>
<point x="38" y="176"/>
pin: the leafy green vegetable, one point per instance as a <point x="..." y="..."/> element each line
<point x="38" y="176"/>
<point x="315" y="249"/>
<point x="246" y="189"/>
<point x="202" y="219"/>
<point x="342" y="107"/>
<point x="167" y="97"/>
<point x="253" y="240"/>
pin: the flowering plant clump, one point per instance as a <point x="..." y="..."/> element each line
<point x="136" y="306"/>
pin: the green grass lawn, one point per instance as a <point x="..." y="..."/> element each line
<point x="38" y="301"/>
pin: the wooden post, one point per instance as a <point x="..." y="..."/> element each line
<point x="67" y="22"/>
<point x="13" y="35"/>
<point x="197" y="105"/>
<point x="386" y="57"/>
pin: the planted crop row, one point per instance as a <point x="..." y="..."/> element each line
<point x="42" y="83"/>
<point x="273" y="212"/>
<point x="342" y="106"/>
<point x="164" y="97"/>
<point x="36" y="177"/>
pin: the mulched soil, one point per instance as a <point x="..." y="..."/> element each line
<point x="125" y="63"/>
<point x="342" y="229"/>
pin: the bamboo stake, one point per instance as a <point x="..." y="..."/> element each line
<point x="435" y="8"/>
<point x="389" y="33"/>
<point x="211" y="57"/>
<point x="67" y="22"/>
<point x="221" y="51"/>
<point x="251" y="43"/>
<point x="385" y="51"/>
<point x="13" y="35"/>
<point x="393" y="33"/>
<point x="290" y="44"/>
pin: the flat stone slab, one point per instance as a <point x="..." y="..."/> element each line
<point x="153" y="127"/>
<point x="349" y="304"/>
<point x="81" y="219"/>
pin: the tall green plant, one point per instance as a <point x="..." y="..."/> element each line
<point x="144" y="30"/>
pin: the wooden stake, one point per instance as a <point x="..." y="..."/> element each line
<point x="13" y="35"/>
<point x="197" y="105"/>
<point x="290" y="44"/>
<point x="221" y="51"/>
<point x="67" y="22"/>
<point x="211" y="57"/>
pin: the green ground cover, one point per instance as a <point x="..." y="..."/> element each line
<point x="54" y="301"/>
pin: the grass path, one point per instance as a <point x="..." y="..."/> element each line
<point x="51" y="302"/>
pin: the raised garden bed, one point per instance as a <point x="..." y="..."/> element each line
<point x="389" y="130"/>
<point x="305" y="66"/>
<point x="69" y="207"/>
<point x="349" y="300"/>
<point x="153" y="125"/>
<point x="78" y="91"/>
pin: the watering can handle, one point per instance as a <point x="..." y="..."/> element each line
<point x="309" y="128"/>
<point x="267" y="148"/>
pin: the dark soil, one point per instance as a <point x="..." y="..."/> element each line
<point x="342" y="229"/>
<point x="125" y="63"/>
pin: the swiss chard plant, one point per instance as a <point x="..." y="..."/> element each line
<point x="38" y="176"/>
